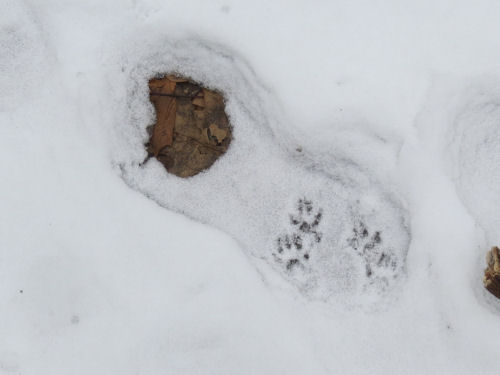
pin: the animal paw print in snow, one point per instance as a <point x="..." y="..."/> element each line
<point x="294" y="249"/>
<point x="369" y="248"/>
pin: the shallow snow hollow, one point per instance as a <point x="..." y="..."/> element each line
<point x="368" y="131"/>
<point x="323" y="222"/>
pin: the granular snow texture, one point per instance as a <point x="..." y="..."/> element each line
<point x="364" y="136"/>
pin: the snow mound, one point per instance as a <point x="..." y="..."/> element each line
<point x="324" y="223"/>
<point x="475" y="135"/>
<point x="23" y="56"/>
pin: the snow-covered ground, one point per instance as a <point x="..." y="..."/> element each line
<point x="379" y="116"/>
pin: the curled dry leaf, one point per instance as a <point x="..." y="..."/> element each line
<point x="218" y="133"/>
<point x="491" y="278"/>
<point x="199" y="102"/>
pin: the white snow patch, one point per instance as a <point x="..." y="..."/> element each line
<point x="396" y="100"/>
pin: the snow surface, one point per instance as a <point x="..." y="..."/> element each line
<point x="380" y="113"/>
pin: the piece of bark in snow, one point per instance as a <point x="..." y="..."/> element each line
<point x="161" y="95"/>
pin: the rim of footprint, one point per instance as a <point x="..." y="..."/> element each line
<point x="326" y="227"/>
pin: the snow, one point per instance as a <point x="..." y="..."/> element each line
<point x="380" y="113"/>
